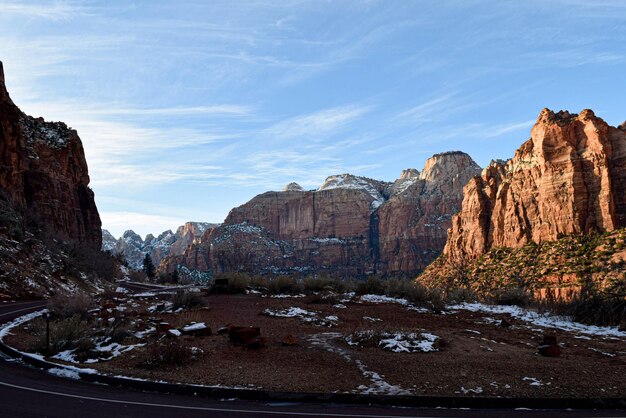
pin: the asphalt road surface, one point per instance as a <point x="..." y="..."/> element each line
<point x="29" y="392"/>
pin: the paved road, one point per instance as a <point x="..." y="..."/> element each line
<point x="29" y="392"/>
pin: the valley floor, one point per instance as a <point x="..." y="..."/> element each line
<point x="372" y="344"/>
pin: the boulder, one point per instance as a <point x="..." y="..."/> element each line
<point x="244" y="335"/>
<point x="289" y="340"/>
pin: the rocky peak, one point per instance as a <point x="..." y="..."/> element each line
<point x="131" y="236"/>
<point x="375" y="188"/>
<point x="622" y="127"/>
<point x="409" y="173"/>
<point x="568" y="178"/>
<point x="165" y="234"/>
<point x="108" y="241"/>
<point x="293" y="187"/>
<point x="447" y="171"/>
<point x="445" y="164"/>
<point x="4" y="94"/>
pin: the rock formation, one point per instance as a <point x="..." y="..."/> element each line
<point x="44" y="174"/>
<point x="568" y="178"/>
<point x="134" y="249"/>
<point x="350" y="226"/>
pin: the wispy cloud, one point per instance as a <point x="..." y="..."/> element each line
<point x="57" y="10"/>
<point x="318" y="123"/>
<point x="499" y="130"/>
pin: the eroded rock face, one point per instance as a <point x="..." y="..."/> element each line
<point x="44" y="173"/>
<point x="350" y="226"/>
<point x="414" y="221"/>
<point x="134" y="248"/>
<point x="568" y="178"/>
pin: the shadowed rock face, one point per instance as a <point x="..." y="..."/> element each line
<point x="351" y="225"/>
<point x="568" y="178"/>
<point x="44" y="173"/>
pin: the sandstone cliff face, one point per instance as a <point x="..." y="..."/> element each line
<point x="350" y="226"/>
<point x="44" y="173"/>
<point x="414" y="221"/>
<point x="568" y="178"/>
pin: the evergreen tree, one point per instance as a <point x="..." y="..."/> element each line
<point x="148" y="266"/>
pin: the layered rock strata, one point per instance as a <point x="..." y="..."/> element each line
<point x="350" y="226"/>
<point x="568" y="178"/>
<point x="43" y="172"/>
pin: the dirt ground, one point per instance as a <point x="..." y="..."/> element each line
<point x="475" y="355"/>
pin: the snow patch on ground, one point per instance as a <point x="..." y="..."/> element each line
<point x="7" y="327"/>
<point x="292" y="312"/>
<point x="378" y="384"/>
<point x="67" y="373"/>
<point x="284" y="296"/>
<point x="194" y="327"/>
<point x="533" y="381"/>
<point x="397" y="342"/>
<point x="542" y="320"/>
<point x="372" y="319"/>
<point x="304" y="315"/>
<point x="383" y="299"/>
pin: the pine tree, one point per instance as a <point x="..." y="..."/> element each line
<point x="148" y="266"/>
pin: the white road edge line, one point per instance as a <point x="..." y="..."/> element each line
<point x="196" y="408"/>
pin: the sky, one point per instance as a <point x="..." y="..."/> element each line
<point x="187" y="109"/>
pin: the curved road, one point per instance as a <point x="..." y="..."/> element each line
<point x="30" y="392"/>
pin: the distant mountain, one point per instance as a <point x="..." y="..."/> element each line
<point x="350" y="226"/>
<point x="134" y="249"/>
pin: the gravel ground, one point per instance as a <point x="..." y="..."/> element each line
<point x="475" y="355"/>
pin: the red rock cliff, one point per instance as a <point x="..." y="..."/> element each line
<point x="349" y="226"/>
<point x="44" y="173"/>
<point x="569" y="177"/>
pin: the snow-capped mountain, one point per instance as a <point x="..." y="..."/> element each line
<point x="134" y="248"/>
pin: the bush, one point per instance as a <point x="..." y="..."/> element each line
<point x="187" y="300"/>
<point x="118" y="330"/>
<point x="65" y="306"/>
<point x="374" y="285"/>
<point x="512" y="296"/>
<point x="283" y="284"/>
<point x="599" y="310"/>
<point x="167" y="353"/>
<point x="460" y="295"/>
<point x="65" y="334"/>
<point x="237" y="282"/>
<point x="323" y="298"/>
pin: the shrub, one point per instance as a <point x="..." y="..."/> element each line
<point x="65" y="334"/>
<point x="323" y="298"/>
<point x="65" y="306"/>
<point x="237" y="282"/>
<point x="373" y="285"/>
<point x="167" y="353"/>
<point x="512" y="296"/>
<point x="315" y="283"/>
<point x="118" y="330"/>
<point x="599" y="310"/>
<point x="460" y="295"/>
<point x="404" y="288"/>
<point x="283" y="284"/>
<point x="187" y="300"/>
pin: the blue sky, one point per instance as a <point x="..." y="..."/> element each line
<point x="189" y="108"/>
